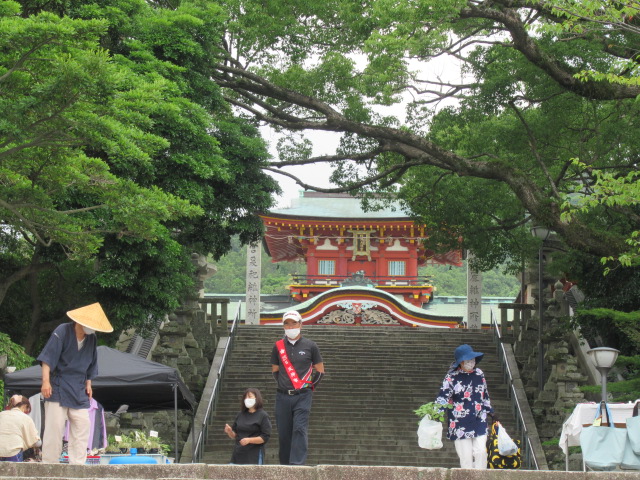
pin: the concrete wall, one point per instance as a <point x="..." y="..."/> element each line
<point x="276" y="472"/>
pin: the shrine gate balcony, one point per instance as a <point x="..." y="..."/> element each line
<point x="415" y="290"/>
<point x="377" y="281"/>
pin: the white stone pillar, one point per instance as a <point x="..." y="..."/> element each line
<point x="254" y="274"/>
<point x="474" y="296"/>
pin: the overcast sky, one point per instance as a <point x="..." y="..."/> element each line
<point x="325" y="143"/>
<point x="317" y="175"/>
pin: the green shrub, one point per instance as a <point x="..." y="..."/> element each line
<point x="16" y="357"/>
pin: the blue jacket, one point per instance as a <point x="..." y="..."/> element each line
<point x="70" y="367"/>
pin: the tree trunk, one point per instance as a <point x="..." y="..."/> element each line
<point x="6" y="283"/>
<point x="30" y="341"/>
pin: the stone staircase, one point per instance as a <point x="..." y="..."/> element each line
<point x="363" y="409"/>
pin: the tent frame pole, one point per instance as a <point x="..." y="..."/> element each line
<point x="175" y="417"/>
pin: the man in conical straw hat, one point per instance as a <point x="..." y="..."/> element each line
<point x="69" y="362"/>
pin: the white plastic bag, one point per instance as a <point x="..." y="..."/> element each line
<point x="429" y="433"/>
<point x="506" y="446"/>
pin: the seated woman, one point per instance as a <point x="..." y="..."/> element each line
<point x="251" y="430"/>
<point x="17" y="430"/>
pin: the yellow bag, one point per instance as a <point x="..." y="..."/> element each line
<point x="494" y="459"/>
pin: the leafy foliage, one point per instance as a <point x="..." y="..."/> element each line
<point x="453" y="281"/>
<point x="136" y="439"/>
<point x="232" y="269"/>
<point x="621" y="330"/>
<point x="617" y="290"/>
<point x="16" y="357"/>
<point x="615" y="191"/>
<point x="477" y="154"/>
<point x="610" y="314"/>
<point x="118" y="159"/>
<point x="435" y="411"/>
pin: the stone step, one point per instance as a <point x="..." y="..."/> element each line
<point x="346" y="386"/>
<point x="373" y="382"/>
<point x="348" y="419"/>
<point x="362" y="413"/>
<point x="24" y="471"/>
<point x="446" y="458"/>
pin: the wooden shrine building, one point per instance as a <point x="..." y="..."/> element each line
<point x="362" y="267"/>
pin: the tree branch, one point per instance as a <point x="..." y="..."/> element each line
<point x="20" y="274"/>
<point x="534" y="149"/>
<point x="394" y="173"/>
<point x="328" y="159"/>
<point x="563" y="75"/>
<point x="415" y="149"/>
<point x="23" y="59"/>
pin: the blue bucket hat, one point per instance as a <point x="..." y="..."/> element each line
<point x="465" y="352"/>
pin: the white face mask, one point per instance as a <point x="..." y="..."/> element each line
<point x="249" y="402"/>
<point x="88" y="330"/>
<point x="292" y="332"/>
<point x="468" y="365"/>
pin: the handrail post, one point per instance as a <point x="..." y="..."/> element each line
<point x="504" y="320"/>
<point x="224" y="317"/>
<point x="214" y="319"/>
<point x="526" y="316"/>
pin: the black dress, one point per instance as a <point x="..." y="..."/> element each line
<point x="247" y="424"/>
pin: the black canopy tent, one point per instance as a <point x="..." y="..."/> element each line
<point x="123" y="379"/>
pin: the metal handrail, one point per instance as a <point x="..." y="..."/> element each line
<point x="529" y="454"/>
<point x="199" y="445"/>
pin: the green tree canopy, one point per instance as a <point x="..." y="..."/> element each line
<point x="15" y="356"/>
<point x="232" y="271"/>
<point x="65" y="100"/>
<point x="525" y="142"/>
<point x="118" y="158"/>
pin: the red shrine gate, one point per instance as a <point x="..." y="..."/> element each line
<point x="344" y="246"/>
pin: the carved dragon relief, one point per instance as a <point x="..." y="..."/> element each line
<point x="365" y="310"/>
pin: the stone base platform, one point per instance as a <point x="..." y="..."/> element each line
<point x="24" y="471"/>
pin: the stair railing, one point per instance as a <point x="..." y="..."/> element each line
<point x="532" y="454"/>
<point x="199" y="444"/>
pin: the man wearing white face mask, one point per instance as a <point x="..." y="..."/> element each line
<point x="465" y="387"/>
<point x="69" y="362"/>
<point x="293" y="361"/>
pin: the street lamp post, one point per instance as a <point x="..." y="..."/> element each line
<point x="543" y="234"/>
<point x="603" y="358"/>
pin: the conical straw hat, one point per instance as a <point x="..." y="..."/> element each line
<point x="92" y="316"/>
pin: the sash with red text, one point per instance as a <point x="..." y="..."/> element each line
<point x="296" y="381"/>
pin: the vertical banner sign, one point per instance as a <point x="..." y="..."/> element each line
<point x="474" y="295"/>
<point x="253" y="284"/>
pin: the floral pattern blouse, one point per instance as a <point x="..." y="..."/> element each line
<point x="468" y="394"/>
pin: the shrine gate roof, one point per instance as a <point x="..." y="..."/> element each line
<point x="337" y="206"/>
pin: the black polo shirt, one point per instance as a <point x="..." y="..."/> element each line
<point x="302" y="355"/>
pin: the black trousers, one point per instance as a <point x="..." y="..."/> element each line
<point x="292" y="419"/>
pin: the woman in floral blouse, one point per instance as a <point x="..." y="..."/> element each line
<point x="465" y="388"/>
